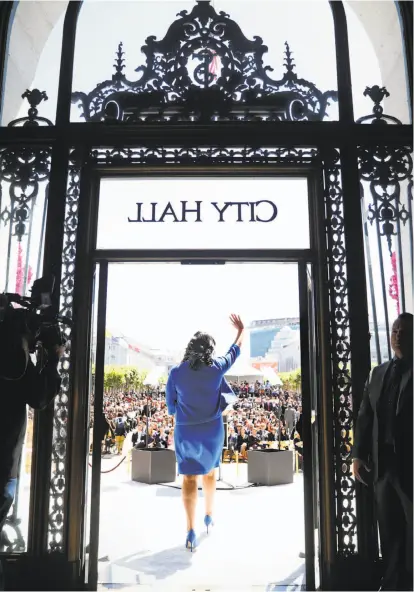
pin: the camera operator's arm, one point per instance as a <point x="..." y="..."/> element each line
<point x="41" y="385"/>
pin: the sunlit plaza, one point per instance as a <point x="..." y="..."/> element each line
<point x="257" y="542"/>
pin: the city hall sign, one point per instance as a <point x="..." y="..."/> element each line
<point x="263" y="210"/>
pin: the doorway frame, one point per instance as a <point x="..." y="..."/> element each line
<point x="306" y="315"/>
<point x="87" y="256"/>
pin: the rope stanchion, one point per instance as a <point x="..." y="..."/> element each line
<point x="113" y="468"/>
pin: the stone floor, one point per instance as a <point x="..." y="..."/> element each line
<point x="254" y="546"/>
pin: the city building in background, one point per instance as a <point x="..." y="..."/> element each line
<point x="276" y="343"/>
<point x="121" y="350"/>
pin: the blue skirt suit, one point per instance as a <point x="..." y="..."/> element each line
<point x="196" y="399"/>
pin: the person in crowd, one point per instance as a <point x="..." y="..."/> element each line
<point x="253" y="440"/>
<point x="232" y="442"/>
<point x="284" y="436"/>
<point x="298" y="426"/>
<point x="163" y="438"/>
<point x="384" y="445"/>
<point x="298" y="445"/>
<point x="290" y="420"/>
<point x="109" y="440"/>
<point x="257" y="409"/>
<point x="120" y="431"/>
<point x="195" y="395"/>
<point x="242" y="443"/>
<point x="271" y="437"/>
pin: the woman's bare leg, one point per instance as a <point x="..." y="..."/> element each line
<point x="189" y="495"/>
<point x="209" y="489"/>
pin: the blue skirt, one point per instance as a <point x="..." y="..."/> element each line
<point x="198" y="448"/>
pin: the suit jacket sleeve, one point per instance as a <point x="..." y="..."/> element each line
<point x="227" y="361"/>
<point x="40" y="387"/>
<point x="364" y="425"/>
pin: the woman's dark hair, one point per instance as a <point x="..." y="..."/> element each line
<point x="199" y="351"/>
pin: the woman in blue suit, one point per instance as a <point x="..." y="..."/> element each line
<point x="195" y="395"/>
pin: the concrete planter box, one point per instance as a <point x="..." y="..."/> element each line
<point x="270" y="467"/>
<point x="153" y="465"/>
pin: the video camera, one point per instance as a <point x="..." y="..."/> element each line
<point x="34" y="317"/>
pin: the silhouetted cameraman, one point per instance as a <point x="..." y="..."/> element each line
<point x="31" y="344"/>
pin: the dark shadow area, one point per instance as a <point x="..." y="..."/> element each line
<point x="279" y="586"/>
<point x="161" y="565"/>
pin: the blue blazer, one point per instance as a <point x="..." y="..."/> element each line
<point x="200" y="396"/>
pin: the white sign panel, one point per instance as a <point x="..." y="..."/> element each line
<point x="203" y="213"/>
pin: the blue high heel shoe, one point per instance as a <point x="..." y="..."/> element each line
<point x="191" y="541"/>
<point x="208" y="521"/>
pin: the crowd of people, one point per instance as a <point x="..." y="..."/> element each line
<point x="263" y="416"/>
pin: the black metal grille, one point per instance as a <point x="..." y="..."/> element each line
<point x="60" y="428"/>
<point x="386" y="193"/>
<point x="340" y="352"/>
<point x="204" y="70"/>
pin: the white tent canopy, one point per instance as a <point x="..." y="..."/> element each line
<point x="270" y="375"/>
<point x="242" y="370"/>
<point x="154" y="376"/>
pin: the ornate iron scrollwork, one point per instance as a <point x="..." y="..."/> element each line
<point x="385" y="168"/>
<point x="386" y="193"/>
<point x="58" y="469"/>
<point x="114" y="156"/>
<point x="11" y="538"/>
<point x="340" y="351"/>
<point x="22" y="171"/>
<point x="204" y="69"/>
<point x="377" y="117"/>
<point x="34" y="98"/>
<point x="198" y="156"/>
<point x="24" y="177"/>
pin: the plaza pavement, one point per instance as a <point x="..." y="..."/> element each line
<point x="253" y="547"/>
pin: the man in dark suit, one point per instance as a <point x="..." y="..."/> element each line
<point x="384" y="444"/>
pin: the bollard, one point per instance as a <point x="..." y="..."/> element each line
<point x="237" y="463"/>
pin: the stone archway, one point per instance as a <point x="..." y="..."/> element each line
<point x="30" y="28"/>
<point x="385" y="34"/>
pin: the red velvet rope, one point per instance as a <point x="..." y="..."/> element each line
<point x="113" y="468"/>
